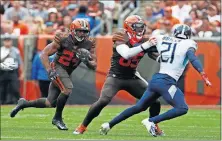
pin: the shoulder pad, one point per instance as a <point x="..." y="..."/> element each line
<point x="120" y="36"/>
<point x="59" y="36"/>
<point x="191" y="43"/>
<point x="93" y="41"/>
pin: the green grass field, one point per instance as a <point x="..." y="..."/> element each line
<point x="33" y="124"/>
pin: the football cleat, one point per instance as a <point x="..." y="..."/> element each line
<point x="104" y="129"/>
<point x="18" y="107"/>
<point x="59" y="124"/>
<point x="80" y="130"/>
<point x="150" y="126"/>
<point x="159" y="132"/>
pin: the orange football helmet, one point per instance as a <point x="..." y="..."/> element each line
<point x="135" y="28"/>
<point x="80" y="29"/>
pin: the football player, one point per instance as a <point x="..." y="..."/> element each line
<point x="127" y="52"/>
<point x="175" y="53"/>
<point x="71" y="49"/>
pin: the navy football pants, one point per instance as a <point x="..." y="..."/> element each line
<point x="160" y="85"/>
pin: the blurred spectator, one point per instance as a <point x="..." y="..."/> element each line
<point x="40" y="75"/>
<point x="149" y="15"/>
<point x="9" y="80"/>
<point x="196" y="22"/>
<point x="49" y="28"/>
<point x="38" y="26"/>
<point x="212" y="14"/>
<point x="181" y="10"/>
<point x="207" y="29"/>
<point x="38" y="10"/>
<point x="165" y="28"/>
<point x="83" y="2"/>
<point x="53" y="17"/>
<point x="82" y="15"/>
<point x="201" y="7"/>
<point x="168" y="16"/>
<point x="132" y="4"/>
<point x="108" y="8"/>
<point x="6" y="25"/>
<point x="59" y="18"/>
<point x="158" y="11"/>
<point x="116" y="12"/>
<point x="4" y="5"/>
<point x="96" y="8"/>
<point x="150" y="19"/>
<point x="67" y="20"/>
<point x="19" y="28"/>
<point x="72" y="10"/>
<point x="18" y="9"/>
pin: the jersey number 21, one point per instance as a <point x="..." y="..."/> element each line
<point x="167" y="55"/>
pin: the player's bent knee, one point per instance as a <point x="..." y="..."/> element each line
<point x="48" y="103"/>
<point x="140" y="108"/>
<point x="104" y="101"/>
<point x="53" y="104"/>
<point x="183" y="110"/>
<point x="67" y="91"/>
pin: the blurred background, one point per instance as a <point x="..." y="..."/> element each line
<point x="28" y="26"/>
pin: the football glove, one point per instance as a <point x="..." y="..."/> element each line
<point x="54" y="77"/>
<point x="84" y="55"/>
<point x="206" y="80"/>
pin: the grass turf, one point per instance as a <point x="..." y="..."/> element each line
<point x="35" y="124"/>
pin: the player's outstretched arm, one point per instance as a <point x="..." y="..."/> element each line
<point x="197" y="65"/>
<point x="49" y="50"/>
<point x="127" y="52"/>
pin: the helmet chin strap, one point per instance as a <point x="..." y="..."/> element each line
<point x="77" y="38"/>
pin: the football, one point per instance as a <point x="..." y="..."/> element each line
<point x="83" y="54"/>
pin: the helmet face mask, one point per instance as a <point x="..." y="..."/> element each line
<point x="80" y="29"/>
<point x="182" y="31"/>
<point x="139" y="28"/>
<point x="80" y="34"/>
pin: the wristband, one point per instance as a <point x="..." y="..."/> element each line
<point x="142" y="48"/>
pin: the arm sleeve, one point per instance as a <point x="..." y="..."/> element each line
<point x="194" y="60"/>
<point x="127" y="52"/>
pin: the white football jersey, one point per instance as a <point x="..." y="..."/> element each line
<point x="173" y="51"/>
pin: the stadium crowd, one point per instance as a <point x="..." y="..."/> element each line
<point x="202" y="16"/>
<point x="46" y="17"/>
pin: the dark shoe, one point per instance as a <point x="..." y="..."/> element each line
<point x="18" y="107"/>
<point x="59" y="123"/>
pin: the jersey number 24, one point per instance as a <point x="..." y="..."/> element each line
<point x="167" y="55"/>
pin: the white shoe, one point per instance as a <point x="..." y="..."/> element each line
<point x="104" y="128"/>
<point x="150" y="126"/>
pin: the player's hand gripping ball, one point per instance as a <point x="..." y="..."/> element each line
<point x="84" y="55"/>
